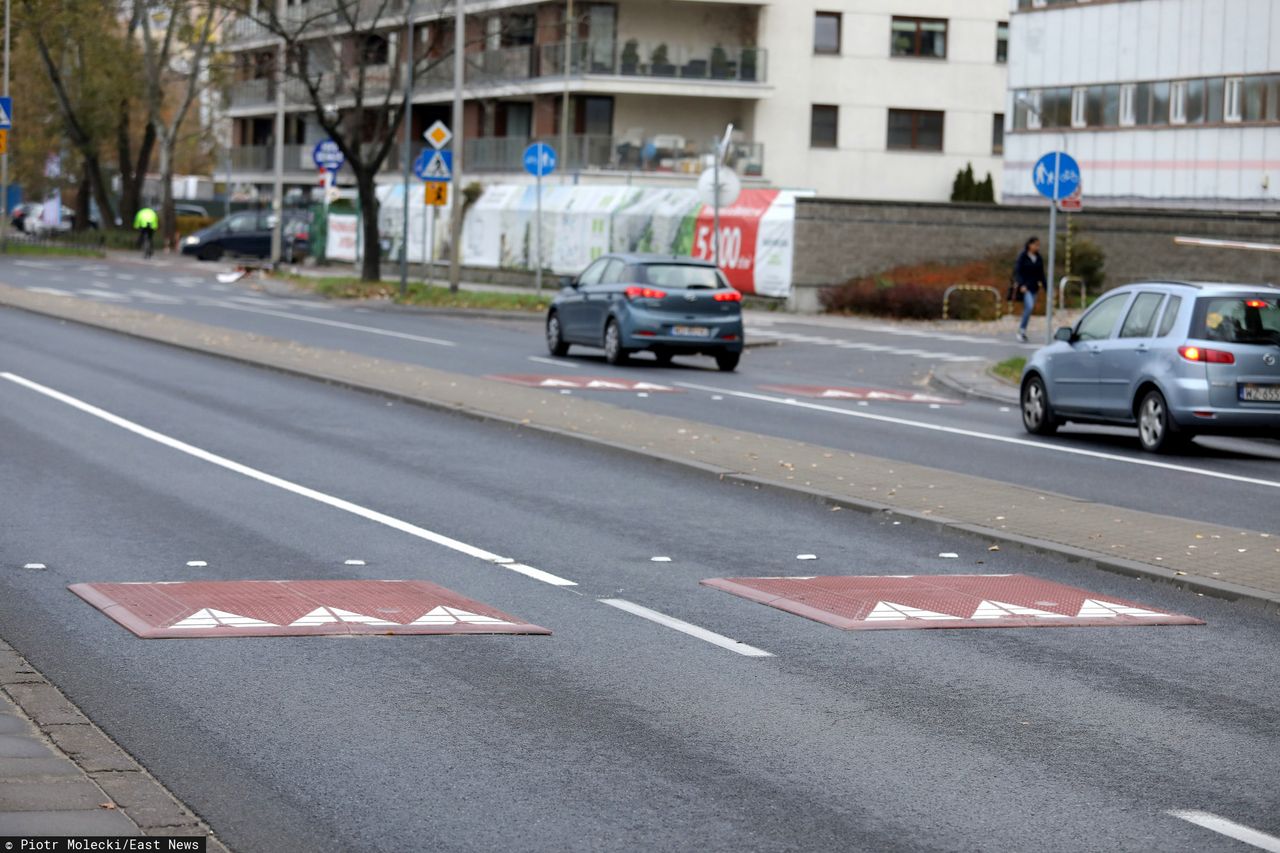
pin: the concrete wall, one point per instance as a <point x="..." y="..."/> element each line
<point x="837" y="240"/>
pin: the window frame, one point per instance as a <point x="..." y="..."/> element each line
<point x="1121" y="299"/>
<point x="918" y="20"/>
<point x="1153" y="322"/>
<point x="839" y="19"/>
<point x="1178" y="102"/>
<point x="835" y="132"/>
<point x="1079" y="100"/>
<point x="915" y="130"/>
<point x="1002" y="29"/>
<point x="997" y="140"/>
<point x="1233" y="100"/>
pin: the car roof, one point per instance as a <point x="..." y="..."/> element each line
<point x="1211" y="286"/>
<point x="655" y="258"/>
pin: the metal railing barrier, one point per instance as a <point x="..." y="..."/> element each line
<point x="999" y="297"/>
<point x="1062" y="290"/>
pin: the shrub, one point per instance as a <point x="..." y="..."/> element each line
<point x="916" y="292"/>
<point x="966" y="188"/>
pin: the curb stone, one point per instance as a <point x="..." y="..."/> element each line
<point x="85" y="784"/>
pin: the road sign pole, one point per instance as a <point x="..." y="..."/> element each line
<point x="715" y="232"/>
<point x="1053" y="240"/>
<point x="406" y="115"/>
<point x="431" y="243"/>
<point x="537" y="231"/>
<point x="4" y="158"/>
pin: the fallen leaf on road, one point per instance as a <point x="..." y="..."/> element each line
<point x="108" y="806"/>
<point x="994" y="548"/>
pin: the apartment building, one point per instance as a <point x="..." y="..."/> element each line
<point x="1168" y="103"/>
<point x="857" y="98"/>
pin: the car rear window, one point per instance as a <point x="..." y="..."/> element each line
<point x="1251" y="319"/>
<point x="681" y="275"/>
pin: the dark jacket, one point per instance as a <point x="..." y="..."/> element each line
<point x="1029" y="273"/>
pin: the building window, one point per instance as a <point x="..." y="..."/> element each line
<point x="826" y="33"/>
<point x="915" y="130"/>
<point x="1231" y="107"/>
<point x="1178" y="103"/>
<point x="1193" y="101"/>
<point x="1078" y="98"/>
<point x="1002" y="41"/>
<point x="823" y="126"/>
<point x="924" y="37"/>
<point x="1214" y="92"/>
<point x="1128" y="112"/>
<point x="997" y="133"/>
<point x="1026" y="110"/>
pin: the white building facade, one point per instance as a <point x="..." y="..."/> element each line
<point x="852" y="98"/>
<point x="1164" y="103"/>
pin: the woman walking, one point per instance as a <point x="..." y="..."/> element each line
<point x="1028" y="274"/>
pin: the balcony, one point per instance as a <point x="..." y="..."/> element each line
<point x="297" y="158"/>
<point x="659" y="153"/>
<point x="316" y="15"/>
<point x="260" y="92"/>
<point x="721" y="64"/>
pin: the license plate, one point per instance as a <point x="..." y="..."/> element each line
<point x="1251" y="393"/>
<point x="691" y="331"/>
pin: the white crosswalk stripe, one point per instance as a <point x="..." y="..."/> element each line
<point x="839" y="343"/>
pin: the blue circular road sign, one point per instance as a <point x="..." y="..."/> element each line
<point x="539" y="159"/>
<point x="327" y="155"/>
<point x="1056" y="175"/>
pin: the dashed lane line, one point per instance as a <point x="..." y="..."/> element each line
<point x="51" y="291"/>
<point x="841" y="343"/>
<point x="288" y="486"/>
<point x="1229" y="828"/>
<point x="686" y="628"/>
<point x="355" y="327"/>
<point x="882" y="329"/>
<point x="104" y="294"/>
<point x="984" y="436"/>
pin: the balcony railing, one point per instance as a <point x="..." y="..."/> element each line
<point x="317" y="15"/>
<point x="297" y="158"/>
<point x="740" y="64"/>
<point x="632" y="153"/>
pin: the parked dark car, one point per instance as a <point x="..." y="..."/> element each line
<point x="1174" y="359"/>
<point x="668" y="305"/>
<point x="248" y="235"/>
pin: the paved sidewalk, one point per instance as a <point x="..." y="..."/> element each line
<point x="1229" y="562"/>
<point x="61" y="776"/>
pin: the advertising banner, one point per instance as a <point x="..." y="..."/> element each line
<point x="341" y="237"/>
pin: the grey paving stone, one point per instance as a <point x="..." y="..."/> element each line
<point x="23" y="746"/>
<point x="50" y="767"/>
<point x="45" y="704"/>
<point x="148" y="805"/>
<point x="90" y="748"/>
<point x="85" y="822"/>
<point x="12" y="724"/>
<point x="69" y="794"/>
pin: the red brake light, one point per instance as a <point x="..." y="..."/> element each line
<point x="634" y="292"/>
<point x="728" y="296"/>
<point x="1256" y="303"/>
<point x="1211" y="356"/>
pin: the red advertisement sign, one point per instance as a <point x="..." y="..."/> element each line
<point x="739" y="236"/>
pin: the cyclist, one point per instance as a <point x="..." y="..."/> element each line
<point x="145" y="223"/>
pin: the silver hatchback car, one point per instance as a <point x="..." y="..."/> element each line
<point x="1175" y="358"/>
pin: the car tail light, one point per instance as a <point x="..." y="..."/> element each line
<point x="729" y="337"/>
<point x="644" y="333"/>
<point x="728" y="296"/>
<point x="1211" y="356"/>
<point x="634" y="292"/>
<point x="301" y="235"/>
<point x="1257" y="303"/>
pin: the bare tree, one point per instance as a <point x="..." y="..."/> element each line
<point x="177" y="37"/>
<point x="335" y="52"/>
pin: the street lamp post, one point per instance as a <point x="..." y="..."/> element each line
<point x="277" y="183"/>
<point x="564" y="97"/>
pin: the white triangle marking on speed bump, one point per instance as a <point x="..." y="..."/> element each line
<point x="844" y="395"/>
<point x="452" y="615"/>
<point x="649" y="386"/>
<point x="558" y="383"/>
<point x="888" y="611"/>
<point x="603" y="383"/>
<point x="329" y="615"/>
<point x="1000" y="609"/>
<point x="1105" y="609"/>
<point x="210" y="618"/>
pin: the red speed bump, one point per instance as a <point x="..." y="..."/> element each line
<point x="583" y="383"/>
<point x="884" y="395"/>
<point x="295" y="608"/>
<point x="869" y="603"/>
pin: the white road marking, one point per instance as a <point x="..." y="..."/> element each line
<point x="558" y="362"/>
<point x="286" y="485"/>
<point x="659" y="559"/>
<point x="150" y="296"/>
<point x="231" y="306"/>
<point x="353" y="562"/>
<point x="806" y="556"/>
<point x="686" y="628"/>
<point x="1229" y="828"/>
<point x="986" y="436"/>
<point x="840" y="343"/>
<point x="195" y="564"/>
<point x="890" y="330"/>
<point x="35" y="265"/>
<point x="52" y="291"/>
<point x="34" y="566"/>
<point x="104" y="294"/>
<point x="254" y="300"/>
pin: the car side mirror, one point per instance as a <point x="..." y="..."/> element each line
<point x="1064" y="333"/>
<point x="568" y="281"/>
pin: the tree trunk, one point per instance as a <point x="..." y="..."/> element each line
<point x="83" y="191"/>
<point x="168" y="227"/>
<point x="133" y="172"/>
<point x="371" y="262"/>
<point x="96" y="184"/>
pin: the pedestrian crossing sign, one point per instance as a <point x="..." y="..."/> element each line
<point x="439" y="167"/>
<point x="6" y="113"/>
<point x="437" y="193"/>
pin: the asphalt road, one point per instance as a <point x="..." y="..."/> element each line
<point x="615" y="733"/>
<point x="1227" y="481"/>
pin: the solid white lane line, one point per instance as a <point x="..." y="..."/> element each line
<point x="52" y="291"/>
<point x="1229" y="828"/>
<point x="355" y="327"/>
<point x="985" y="436"/>
<point x="558" y="362"/>
<point x="104" y="294"/>
<point x="286" y="485"/>
<point x="685" y="628"/>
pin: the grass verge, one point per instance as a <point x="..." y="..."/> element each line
<point x="16" y="248"/>
<point x="432" y="296"/>
<point x="1010" y="369"/>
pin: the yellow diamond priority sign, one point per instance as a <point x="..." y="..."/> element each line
<point x="438" y="135"/>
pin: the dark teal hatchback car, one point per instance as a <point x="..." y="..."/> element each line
<point x="668" y="305"/>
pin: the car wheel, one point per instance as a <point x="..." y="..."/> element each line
<point x="1156" y="430"/>
<point x="555" y="339"/>
<point x="728" y="361"/>
<point x="210" y="253"/>
<point x="613" y="350"/>
<point x="1037" y="415"/>
<point x="663" y="356"/>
